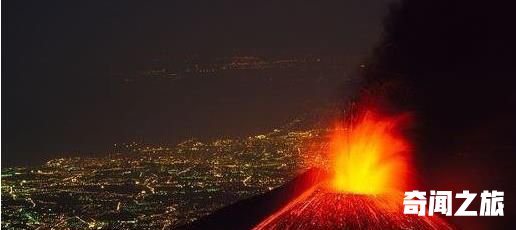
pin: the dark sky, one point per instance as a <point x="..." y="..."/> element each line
<point x="59" y="94"/>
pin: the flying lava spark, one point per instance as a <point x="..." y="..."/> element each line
<point x="371" y="162"/>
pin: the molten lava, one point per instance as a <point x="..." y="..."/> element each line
<point x="370" y="156"/>
<point x="320" y="208"/>
<point x="370" y="162"/>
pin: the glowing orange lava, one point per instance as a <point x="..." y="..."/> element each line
<point x="370" y="156"/>
<point x="370" y="162"/>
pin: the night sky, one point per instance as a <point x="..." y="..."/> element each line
<point x="59" y="59"/>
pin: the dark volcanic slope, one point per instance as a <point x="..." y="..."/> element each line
<point x="248" y="213"/>
<point x="304" y="203"/>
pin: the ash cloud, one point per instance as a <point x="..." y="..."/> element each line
<point x="450" y="63"/>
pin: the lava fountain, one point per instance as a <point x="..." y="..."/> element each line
<point x="370" y="164"/>
<point x="370" y="156"/>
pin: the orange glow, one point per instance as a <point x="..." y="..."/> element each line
<point x="370" y="160"/>
<point x="320" y="208"/>
<point x="369" y="156"/>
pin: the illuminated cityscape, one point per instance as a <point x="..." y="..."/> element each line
<point x="153" y="186"/>
<point x="257" y="114"/>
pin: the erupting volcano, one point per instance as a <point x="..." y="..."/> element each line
<point x="369" y="172"/>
